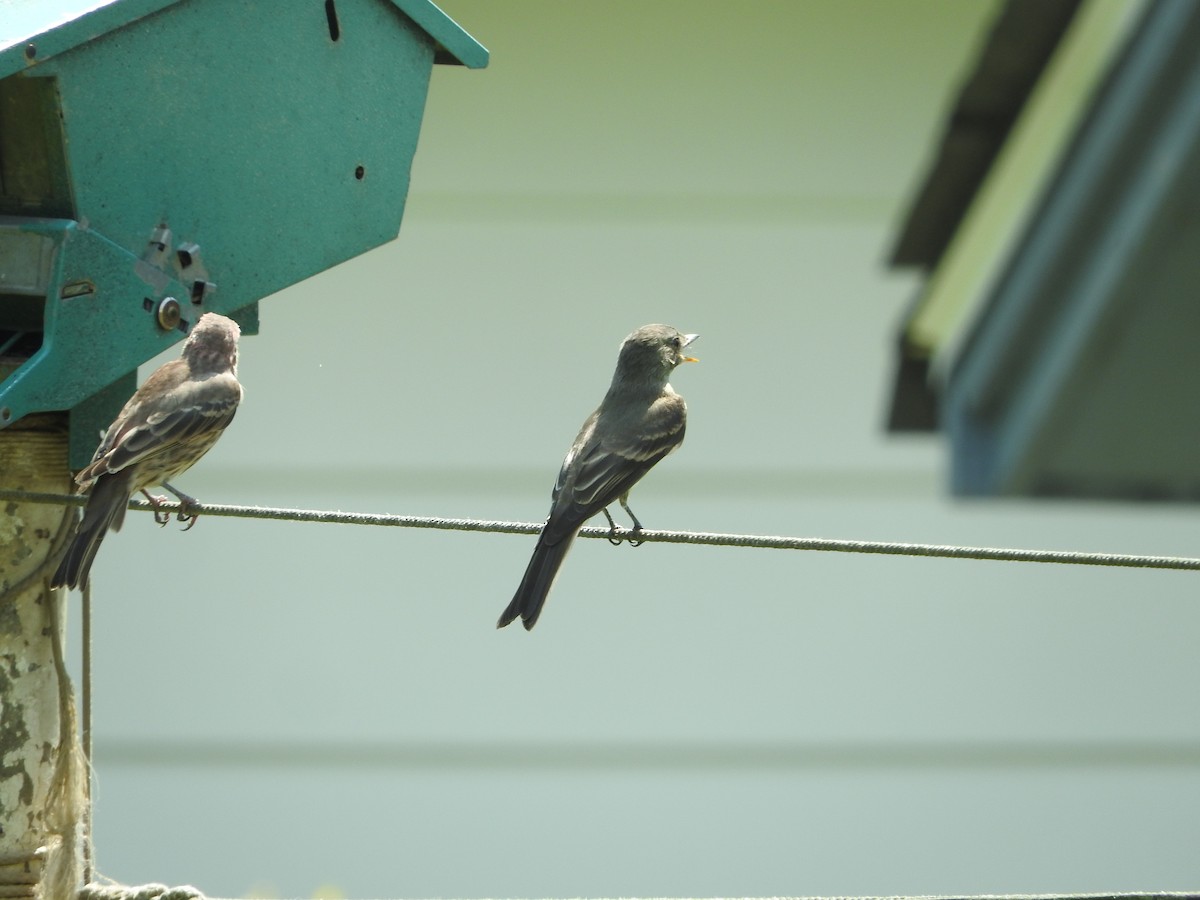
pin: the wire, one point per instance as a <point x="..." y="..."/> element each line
<point x="764" y="542"/>
<point x="663" y="755"/>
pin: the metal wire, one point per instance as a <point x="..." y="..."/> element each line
<point x="762" y="542"/>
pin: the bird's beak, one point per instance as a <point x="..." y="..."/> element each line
<point x="687" y="339"/>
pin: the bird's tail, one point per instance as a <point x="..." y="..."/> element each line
<point x="539" y="576"/>
<point x="105" y="509"/>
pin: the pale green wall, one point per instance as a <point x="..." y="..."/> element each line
<point x="735" y="169"/>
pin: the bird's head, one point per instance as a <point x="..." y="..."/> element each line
<point x="655" y="349"/>
<point x="212" y="344"/>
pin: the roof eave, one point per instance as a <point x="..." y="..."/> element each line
<point x="56" y="27"/>
<point x="455" y="46"/>
<point x="52" y="28"/>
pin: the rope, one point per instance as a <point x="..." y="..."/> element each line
<point x="89" y="847"/>
<point x="67" y="796"/>
<point x="763" y="542"/>
<point x="140" y="892"/>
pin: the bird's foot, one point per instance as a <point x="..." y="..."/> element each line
<point x="189" y="512"/>
<point x="614" y="533"/>
<point x="635" y="535"/>
<point x="161" y="516"/>
<point x="189" y="508"/>
<point x="618" y="536"/>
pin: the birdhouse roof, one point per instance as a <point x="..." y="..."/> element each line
<point x="35" y="30"/>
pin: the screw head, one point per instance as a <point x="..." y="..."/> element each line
<point x="168" y="314"/>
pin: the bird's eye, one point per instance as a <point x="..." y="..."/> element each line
<point x="677" y="342"/>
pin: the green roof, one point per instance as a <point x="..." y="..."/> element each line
<point x="52" y="27"/>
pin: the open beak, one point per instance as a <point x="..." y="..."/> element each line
<point x="687" y="339"/>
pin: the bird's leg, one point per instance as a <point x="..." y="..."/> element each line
<point x="189" y="507"/>
<point x="614" y="533"/>
<point x="637" y="526"/>
<point x="157" y="500"/>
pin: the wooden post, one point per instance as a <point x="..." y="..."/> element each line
<point x="43" y="778"/>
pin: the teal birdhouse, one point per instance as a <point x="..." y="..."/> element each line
<point x="163" y="158"/>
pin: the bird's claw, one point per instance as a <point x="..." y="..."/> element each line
<point x="189" y="512"/>
<point x="161" y="516"/>
<point x="618" y="536"/>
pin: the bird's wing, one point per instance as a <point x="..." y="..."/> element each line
<point x="605" y="463"/>
<point x="163" y="419"/>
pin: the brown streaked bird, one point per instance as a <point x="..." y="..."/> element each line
<point x="167" y="425"/>
<point x="640" y="420"/>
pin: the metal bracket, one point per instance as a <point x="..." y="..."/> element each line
<point x="105" y="312"/>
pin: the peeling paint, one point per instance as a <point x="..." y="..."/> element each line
<point x="11" y="526"/>
<point x="10" y="619"/>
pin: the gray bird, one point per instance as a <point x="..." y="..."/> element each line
<point x="640" y="420"/>
<point x="167" y="425"/>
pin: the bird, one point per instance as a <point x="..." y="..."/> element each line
<point x="640" y="420"/>
<point x="171" y="421"/>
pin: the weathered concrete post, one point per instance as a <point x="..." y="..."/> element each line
<point x="43" y="787"/>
